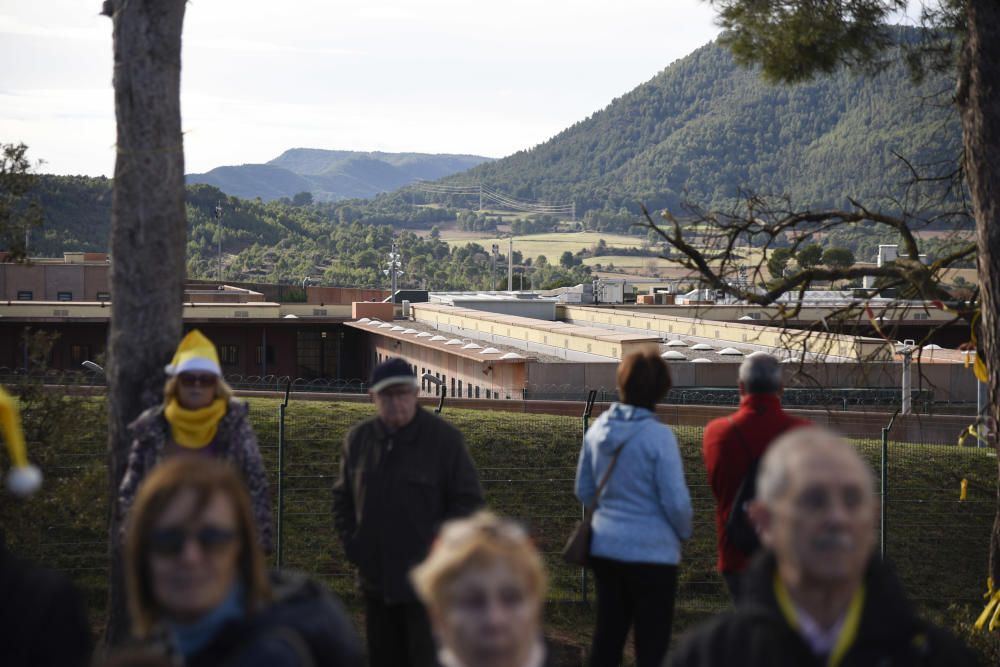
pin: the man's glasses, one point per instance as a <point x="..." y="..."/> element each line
<point x="192" y="380"/>
<point x="171" y="541"/>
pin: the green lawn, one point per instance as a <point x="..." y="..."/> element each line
<point x="527" y="465"/>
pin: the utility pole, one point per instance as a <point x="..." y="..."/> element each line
<point x="493" y="273"/>
<point x="392" y="269"/>
<point x="218" y="216"/>
<point x="907" y="352"/>
<point x="510" y="263"/>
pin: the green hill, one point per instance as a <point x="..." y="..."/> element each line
<point x="704" y="129"/>
<point x="332" y="175"/>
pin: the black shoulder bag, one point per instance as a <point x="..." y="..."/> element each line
<point x="577" y="549"/>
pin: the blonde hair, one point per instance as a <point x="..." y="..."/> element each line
<point x="480" y="540"/>
<point x="206" y="478"/>
<point x="222" y="389"/>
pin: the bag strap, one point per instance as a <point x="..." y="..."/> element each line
<point x="604" y="479"/>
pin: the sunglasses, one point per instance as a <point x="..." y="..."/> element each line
<point x="171" y="541"/>
<point x="190" y="380"/>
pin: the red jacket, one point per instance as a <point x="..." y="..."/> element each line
<point x="728" y="454"/>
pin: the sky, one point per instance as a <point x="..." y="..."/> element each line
<point x="258" y="78"/>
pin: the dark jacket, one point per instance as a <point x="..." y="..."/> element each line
<point x="42" y="618"/>
<point x="755" y="633"/>
<point x="393" y="493"/>
<point x="234" y="441"/>
<point x="730" y="444"/>
<point x="304" y="626"/>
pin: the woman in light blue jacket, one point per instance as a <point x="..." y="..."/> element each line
<point x="642" y="516"/>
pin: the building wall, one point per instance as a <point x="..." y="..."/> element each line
<point x="68" y="279"/>
<point x="96" y="280"/>
<point x="477" y="379"/>
<point x="585" y="339"/>
<point x="343" y="295"/>
<point x="22" y="277"/>
<point x="78" y="341"/>
<point x="46" y="281"/>
<point x="851" y="347"/>
<point x="948" y="382"/>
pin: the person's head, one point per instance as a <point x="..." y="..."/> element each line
<point x="190" y="538"/>
<point x="643" y="378"/>
<point x="195" y="376"/>
<point x="394" y="391"/>
<point x="816" y="509"/>
<point x="483" y="585"/>
<point x="760" y="373"/>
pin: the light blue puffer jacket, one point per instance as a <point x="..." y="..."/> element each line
<point x="645" y="512"/>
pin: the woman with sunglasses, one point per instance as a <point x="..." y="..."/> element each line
<point x="198" y="589"/>
<point x="199" y="417"/>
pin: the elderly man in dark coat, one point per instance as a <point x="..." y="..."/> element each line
<point x="402" y="474"/>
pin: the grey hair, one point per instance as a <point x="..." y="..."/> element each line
<point x="775" y="472"/>
<point x="760" y="373"/>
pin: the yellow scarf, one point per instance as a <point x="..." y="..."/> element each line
<point x="194" y="428"/>
<point x="851" y="623"/>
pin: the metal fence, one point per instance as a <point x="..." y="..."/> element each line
<point x="527" y="464"/>
<point x="938" y="541"/>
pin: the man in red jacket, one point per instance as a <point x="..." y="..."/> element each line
<point x="733" y="442"/>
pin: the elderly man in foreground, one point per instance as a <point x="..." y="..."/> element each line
<point x="818" y="594"/>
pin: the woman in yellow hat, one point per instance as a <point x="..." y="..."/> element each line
<point x="198" y="417"/>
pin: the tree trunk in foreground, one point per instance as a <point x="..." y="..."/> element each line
<point x="979" y="101"/>
<point x="148" y="228"/>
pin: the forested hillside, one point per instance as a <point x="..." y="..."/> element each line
<point x="341" y="244"/>
<point x="332" y="175"/>
<point x="704" y="129"/>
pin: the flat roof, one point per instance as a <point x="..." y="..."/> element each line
<point x="409" y="332"/>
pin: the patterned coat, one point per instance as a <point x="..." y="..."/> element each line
<point x="235" y="442"/>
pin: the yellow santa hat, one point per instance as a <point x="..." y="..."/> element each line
<point x="195" y="353"/>
<point x="23" y="478"/>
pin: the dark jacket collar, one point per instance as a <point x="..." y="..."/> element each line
<point x="887" y="613"/>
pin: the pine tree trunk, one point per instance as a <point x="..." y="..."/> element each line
<point x="979" y="100"/>
<point x="148" y="228"/>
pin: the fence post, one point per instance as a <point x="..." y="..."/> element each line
<point x="885" y="484"/>
<point x="279" y="542"/>
<point x="591" y="397"/>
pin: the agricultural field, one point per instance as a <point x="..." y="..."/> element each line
<point x="554" y="244"/>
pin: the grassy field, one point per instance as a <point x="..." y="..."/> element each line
<point x="554" y="244"/>
<point x="527" y="464"/>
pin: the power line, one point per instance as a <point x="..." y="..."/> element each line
<point x="485" y="193"/>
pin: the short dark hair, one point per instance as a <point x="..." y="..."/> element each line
<point x="643" y="378"/>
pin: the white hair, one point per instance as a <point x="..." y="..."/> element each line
<point x="760" y="373"/>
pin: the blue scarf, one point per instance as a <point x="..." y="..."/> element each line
<point x="192" y="637"/>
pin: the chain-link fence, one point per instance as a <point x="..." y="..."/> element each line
<point x="527" y="464"/>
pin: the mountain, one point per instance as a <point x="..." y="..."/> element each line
<point x="333" y="175"/>
<point x="705" y="129"/>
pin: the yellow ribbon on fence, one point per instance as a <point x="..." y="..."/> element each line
<point x="964" y="492"/>
<point x="966" y="433"/>
<point x="992" y="610"/>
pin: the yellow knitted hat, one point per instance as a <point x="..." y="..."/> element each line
<point x="23" y="478"/>
<point x="195" y="353"/>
